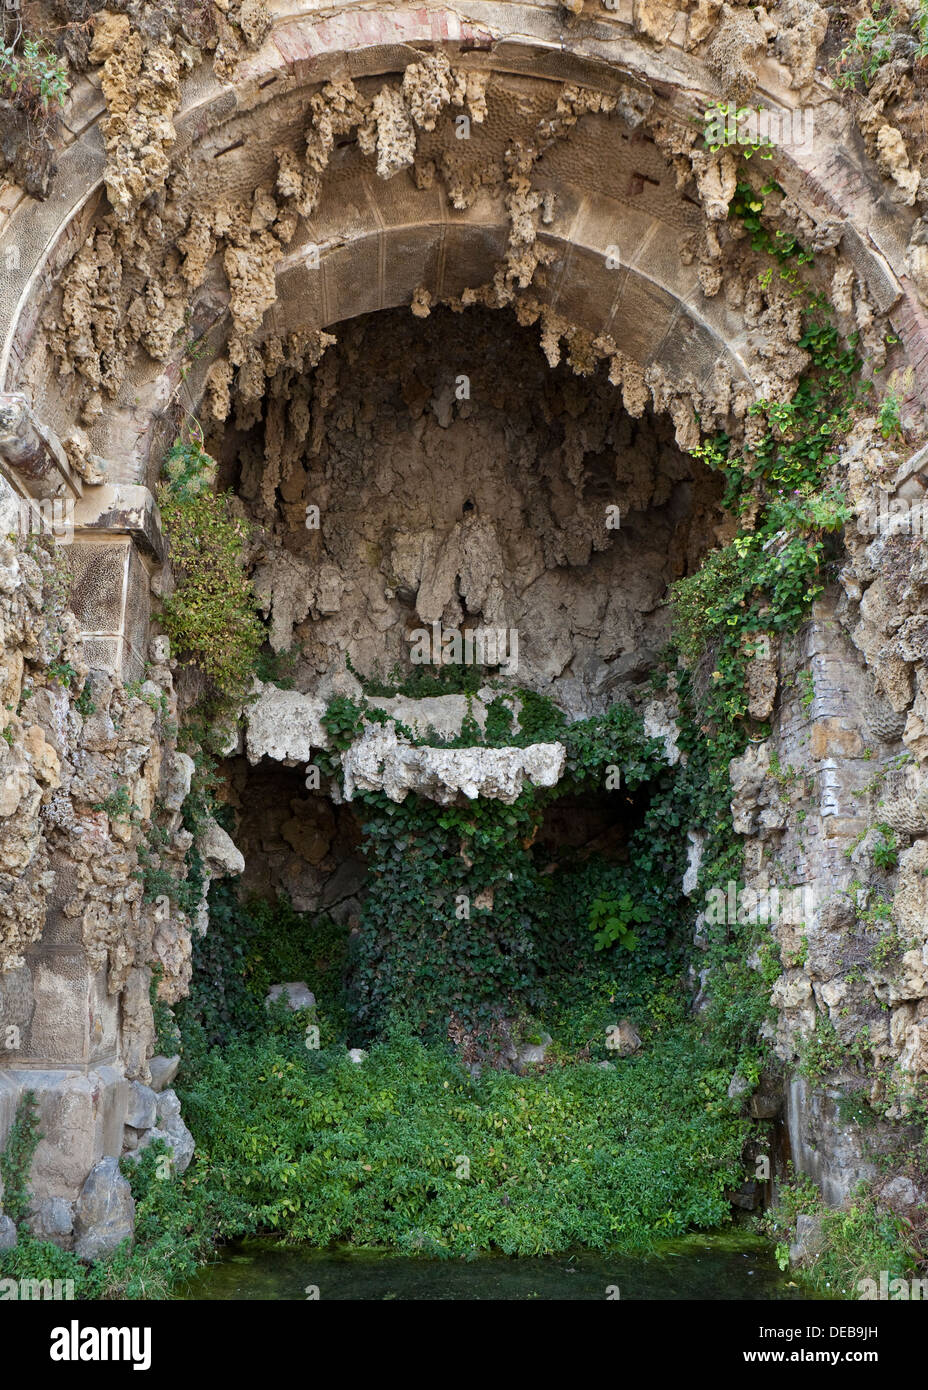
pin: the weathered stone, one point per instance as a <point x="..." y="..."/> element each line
<point x="142" y="1111"/>
<point x="163" y="1071"/>
<point x="104" y="1215"/>
<point x="531" y="1054"/>
<point x="285" y="725"/>
<point x="8" y="1234"/>
<point x="623" y="1038"/>
<point x="809" y="1242"/>
<point x="901" y="1193"/>
<point x="52" y="1219"/>
<point x="382" y="762"/>
<point x="220" y="856"/>
<point x="172" y="1129"/>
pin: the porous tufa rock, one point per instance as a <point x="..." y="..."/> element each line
<point x="380" y="761"/>
<point x="660" y="722"/>
<point x="285" y="725"/>
<point x="220" y="856"/>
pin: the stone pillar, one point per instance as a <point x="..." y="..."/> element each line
<point x="59" y="1025"/>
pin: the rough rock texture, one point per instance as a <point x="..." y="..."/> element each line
<point x="171" y="1128"/>
<point x="381" y="762"/>
<point x="285" y="725"/>
<point x="104" y="1214"/>
<point x="409" y="535"/>
<point x="297" y="994"/>
<point x="163" y="1071"/>
<point x="456" y="481"/>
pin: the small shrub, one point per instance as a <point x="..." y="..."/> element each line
<point x="211" y="616"/>
<point x="35" y="77"/>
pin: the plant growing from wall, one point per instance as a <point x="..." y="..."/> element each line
<point x="766" y="577"/>
<point x="885" y="851"/>
<point x="33" y="77"/>
<point x="211" y="615"/>
<point x="871" y="47"/>
<point x="16" y="1158"/>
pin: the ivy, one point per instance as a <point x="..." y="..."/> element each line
<point x="16" y="1158"/>
<point x="464" y="922"/>
<point x="765" y="579"/>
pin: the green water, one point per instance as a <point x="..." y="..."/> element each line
<point x="733" y="1265"/>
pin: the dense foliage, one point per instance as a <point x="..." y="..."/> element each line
<point x="211" y="615"/>
<point x="464" y="920"/>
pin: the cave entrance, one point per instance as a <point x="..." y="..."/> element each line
<point x="441" y="471"/>
<point x="439" y="475"/>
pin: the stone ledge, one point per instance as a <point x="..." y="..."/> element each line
<point x="121" y="509"/>
<point x="381" y="762"/>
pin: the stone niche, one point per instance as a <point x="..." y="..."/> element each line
<point x="438" y="474"/>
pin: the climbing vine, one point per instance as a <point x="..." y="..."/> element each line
<point x="764" y="580"/>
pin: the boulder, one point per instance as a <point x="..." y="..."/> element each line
<point x="622" y="1037"/>
<point x="142" y="1110"/>
<point x="163" y="1071"/>
<point x="52" y="1219"/>
<point x="809" y="1242"/>
<point x="531" y="1054"/>
<point x="738" y="1086"/>
<point x="172" y="1128"/>
<point x="104" y="1214"/>
<point x="8" y="1235"/>
<point x="900" y="1193"/>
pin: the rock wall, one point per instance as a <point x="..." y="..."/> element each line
<point x="472" y="487"/>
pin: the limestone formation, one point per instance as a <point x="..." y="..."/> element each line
<point x="382" y="762"/>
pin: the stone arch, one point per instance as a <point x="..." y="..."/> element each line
<point x="663" y="69"/>
<point x="402" y="240"/>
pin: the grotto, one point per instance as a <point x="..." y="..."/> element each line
<point x="463" y="632"/>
